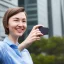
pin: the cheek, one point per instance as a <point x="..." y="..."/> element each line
<point x="25" y="26"/>
<point x="11" y="23"/>
<point x="11" y="26"/>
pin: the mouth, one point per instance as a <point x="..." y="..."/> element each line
<point x="20" y="30"/>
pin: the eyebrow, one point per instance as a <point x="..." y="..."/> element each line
<point x="15" y="18"/>
<point x="18" y="18"/>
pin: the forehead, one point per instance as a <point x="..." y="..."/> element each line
<point x="19" y="15"/>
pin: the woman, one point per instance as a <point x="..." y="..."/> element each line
<point x="15" y="24"/>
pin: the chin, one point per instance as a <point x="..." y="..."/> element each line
<point x="20" y="34"/>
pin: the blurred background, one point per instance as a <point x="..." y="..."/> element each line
<point x="50" y="13"/>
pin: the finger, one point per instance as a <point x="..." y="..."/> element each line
<point x="36" y="38"/>
<point x="37" y="26"/>
<point x="38" y="33"/>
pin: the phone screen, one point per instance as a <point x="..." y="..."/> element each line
<point x="44" y="30"/>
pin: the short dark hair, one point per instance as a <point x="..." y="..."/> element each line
<point x="9" y="13"/>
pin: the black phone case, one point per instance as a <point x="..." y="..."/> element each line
<point x="44" y="30"/>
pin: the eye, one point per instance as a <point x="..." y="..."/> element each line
<point x="24" y="21"/>
<point x="16" y="20"/>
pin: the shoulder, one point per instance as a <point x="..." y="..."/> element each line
<point x="25" y="53"/>
<point x="1" y="50"/>
<point x="25" y="50"/>
<point x="26" y="56"/>
<point x="2" y="45"/>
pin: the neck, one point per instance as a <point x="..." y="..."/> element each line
<point x="14" y="39"/>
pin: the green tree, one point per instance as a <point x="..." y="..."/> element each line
<point x="48" y="51"/>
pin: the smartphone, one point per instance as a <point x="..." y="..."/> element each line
<point x="44" y="30"/>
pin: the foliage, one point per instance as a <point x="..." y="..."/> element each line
<point x="48" y="51"/>
<point x="41" y="59"/>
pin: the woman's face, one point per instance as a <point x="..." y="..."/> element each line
<point x="17" y="24"/>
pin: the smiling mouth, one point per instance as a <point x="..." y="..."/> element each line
<point x="20" y="30"/>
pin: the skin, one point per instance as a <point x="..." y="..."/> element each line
<point x="34" y="35"/>
<point x="17" y="25"/>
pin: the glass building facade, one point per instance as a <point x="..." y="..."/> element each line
<point x="49" y="13"/>
<point x="2" y="11"/>
<point x="4" y="5"/>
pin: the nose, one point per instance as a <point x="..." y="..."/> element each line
<point x="20" y="23"/>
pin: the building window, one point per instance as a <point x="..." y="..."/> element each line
<point x="32" y="12"/>
<point x="32" y="23"/>
<point x="31" y="1"/>
<point x="21" y="3"/>
<point x="32" y="6"/>
<point x="32" y="16"/>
